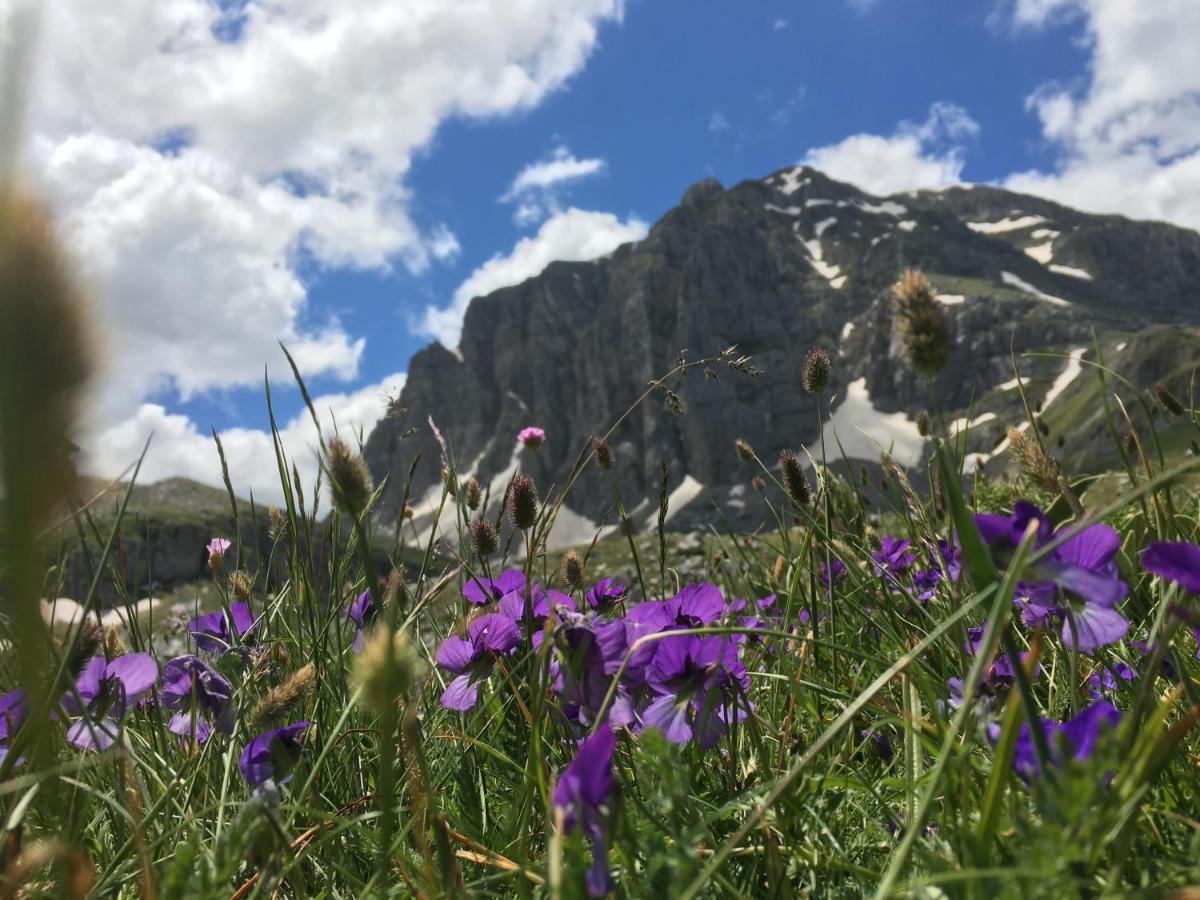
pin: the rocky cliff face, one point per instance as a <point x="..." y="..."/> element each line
<point x="777" y="266"/>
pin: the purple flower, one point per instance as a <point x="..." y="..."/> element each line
<point x="216" y="549"/>
<point x="14" y="707"/>
<point x="582" y="794"/>
<point x="603" y="594"/>
<point x="272" y="755"/>
<point x="882" y="745"/>
<point x="532" y="437"/>
<point x="893" y="556"/>
<point x="103" y="692"/>
<point x="215" y="632"/>
<point x="832" y="571"/>
<point x="951" y="557"/>
<point x="1106" y="679"/>
<point x="700" y="687"/>
<point x="482" y="590"/>
<point x="1083" y="566"/>
<point x="1075" y="739"/>
<point x="1174" y="561"/>
<point x="200" y="696"/>
<point x="472" y="658"/>
<point x="925" y="583"/>
<point x="361" y="612"/>
<point x="695" y="606"/>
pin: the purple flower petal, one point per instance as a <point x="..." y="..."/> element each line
<point x="455" y="654"/>
<point x="93" y="735"/>
<point x="272" y="755"/>
<point x="461" y="694"/>
<point x="1174" y="561"/>
<point x="138" y="672"/>
<point x="1095" y="626"/>
<point x="669" y="716"/>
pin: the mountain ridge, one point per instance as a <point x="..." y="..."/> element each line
<point x="775" y="266"/>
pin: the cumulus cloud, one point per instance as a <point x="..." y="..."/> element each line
<point x="717" y="121"/>
<point x="202" y="156"/>
<point x="926" y="154"/>
<point x="1129" y="137"/>
<point x="538" y="188"/>
<point x="573" y="235"/>
<point x="179" y="448"/>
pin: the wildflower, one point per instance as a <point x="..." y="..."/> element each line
<point x="103" y="692"/>
<point x="1083" y="565"/>
<point x="523" y="502"/>
<point x="484" y="539"/>
<point x="532" y="437"/>
<point x="603" y="594"/>
<point x="481" y="590"/>
<point x="893" y="557"/>
<point x="216" y="632"/>
<point x="817" y="367"/>
<point x="472" y="658"/>
<point x="362" y="612"/>
<point x="758" y="484"/>
<point x="272" y="756"/>
<point x="572" y="570"/>
<point x="217" y="548"/>
<point x="695" y="606"/>
<point x="924" y="330"/>
<point x="795" y="485"/>
<point x="1108" y="679"/>
<point x="201" y="697"/>
<point x="585" y="660"/>
<point x="1175" y="561"/>
<point x="882" y="745"/>
<point x="583" y="795"/>
<point x="1076" y="739"/>
<point x="14" y="707"/>
<point x="603" y="453"/>
<point x="700" y="686"/>
<point x="832" y="571"/>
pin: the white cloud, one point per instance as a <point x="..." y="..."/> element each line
<point x="537" y="188"/>
<point x="927" y="154"/>
<point x="717" y="121"/>
<point x="1129" y="138"/>
<point x="780" y="24"/>
<point x="179" y="448"/>
<point x="199" y="157"/>
<point x="782" y="117"/>
<point x="575" y="235"/>
<point x="862" y="7"/>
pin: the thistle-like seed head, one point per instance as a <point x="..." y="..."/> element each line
<point x="817" y="367"/>
<point x="349" y="478"/>
<point x="484" y="539"/>
<point x="1169" y="401"/>
<point x="603" y="453"/>
<point x="241" y="585"/>
<point x="1037" y="464"/>
<point x="795" y="484"/>
<point x="921" y="322"/>
<point x="473" y="493"/>
<point x="523" y="502"/>
<point x="572" y="571"/>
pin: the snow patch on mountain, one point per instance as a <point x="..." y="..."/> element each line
<point x="1013" y="223"/>
<point x="1025" y="287"/>
<point x="863" y="430"/>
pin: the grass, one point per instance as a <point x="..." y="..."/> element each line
<point x="825" y="739"/>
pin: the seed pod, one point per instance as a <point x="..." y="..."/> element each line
<point x="794" y="482"/>
<point x="817" y="367"/>
<point x="923" y="423"/>
<point x="744" y="451"/>
<point x="523" y="502"/>
<point x="484" y="539"/>
<point x="283" y="699"/>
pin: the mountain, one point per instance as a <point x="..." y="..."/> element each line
<point x="776" y="266"/>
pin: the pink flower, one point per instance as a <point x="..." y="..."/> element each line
<point x="531" y="437"/>
<point x="217" y="548"/>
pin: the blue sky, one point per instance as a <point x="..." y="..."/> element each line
<point x="408" y="128"/>
<point x="783" y="76"/>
